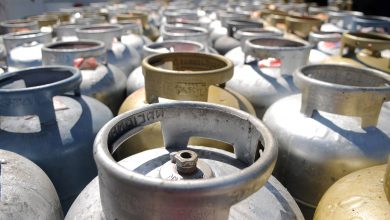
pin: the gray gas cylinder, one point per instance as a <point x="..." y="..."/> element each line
<point x="24" y="49"/>
<point x="26" y="191"/>
<point x="133" y="36"/>
<point x="339" y="124"/>
<point x="44" y="118"/>
<point x="236" y="55"/>
<point x="261" y="82"/>
<point x="124" y="57"/>
<point x="101" y="80"/>
<point x="225" y="43"/>
<point x="186" y="182"/>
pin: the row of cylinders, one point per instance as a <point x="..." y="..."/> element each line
<point x="105" y="60"/>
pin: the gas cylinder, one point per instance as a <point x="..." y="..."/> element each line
<point x="266" y="75"/>
<point x="54" y="130"/>
<point x="118" y="54"/>
<point x="228" y="42"/>
<point x="180" y="181"/>
<point x="148" y="28"/>
<point x="136" y="80"/>
<point x="185" y="32"/>
<point x="62" y="16"/>
<point x="236" y="55"/>
<point x="181" y="76"/>
<point x="343" y="19"/>
<point x="363" y="194"/>
<point x="371" y="23"/>
<point x="133" y="36"/>
<point x="18" y="25"/>
<point x="325" y="44"/>
<point x="45" y="22"/>
<point x="66" y="32"/>
<point x="374" y="47"/>
<point x="301" y="26"/>
<point x="26" y="191"/>
<point x="103" y="81"/>
<point x="24" y="49"/>
<point x="96" y="19"/>
<point x="338" y="124"/>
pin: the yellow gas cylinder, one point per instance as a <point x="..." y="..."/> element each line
<point x="181" y="76"/>
<point x="374" y="50"/>
<point x="149" y="30"/>
<point x="302" y="25"/>
<point x="364" y="194"/>
<point x="45" y="22"/>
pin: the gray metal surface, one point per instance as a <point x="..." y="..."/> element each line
<point x="123" y="57"/>
<point x="26" y="191"/>
<point x="103" y="82"/>
<point x="324" y="145"/>
<point x="123" y="185"/>
<point x="53" y="130"/>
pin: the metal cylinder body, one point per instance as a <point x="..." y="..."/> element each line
<point x="102" y="81"/>
<point x="229" y="185"/>
<point x="26" y="191"/>
<point x="54" y="130"/>
<point x="338" y="125"/>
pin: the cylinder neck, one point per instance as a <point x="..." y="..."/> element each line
<point x="34" y="88"/>
<point x="67" y="53"/>
<point x="63" y="16"/>
<point x="292" y="54"/>
<point x="174" y="32"/>
<point x="45" y="20"/>
<point x="19" y="25"/>
<point x="142" y="18"/>
<point x="370" y="41"/>
<point x="65" y="30"/>
<point x="236" y="24"/>
<point x="13" y="40"/>
<point x="184" y="76"/>
<point x="131" y="27"/>
<point x="317" y="36"/>
<point x="172" y="46"/>
<point x="302" y="25"/>
<point x="104" y="33"/>
<point x="247" y="33"/>
<point x="343" y="90"/>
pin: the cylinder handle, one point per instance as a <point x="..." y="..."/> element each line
<point x="31" y="91"/>
<point x="184" y="75"/>
<point x="344" y="90"/>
